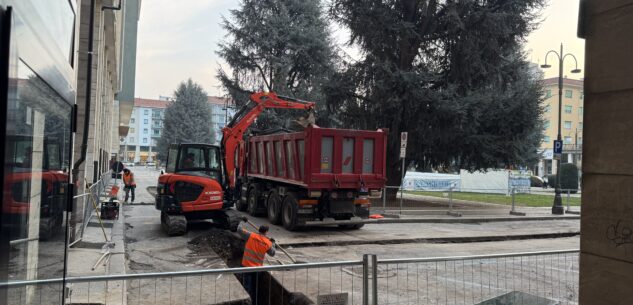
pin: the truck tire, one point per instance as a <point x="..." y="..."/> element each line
<point x="242" y="205"/>
<point x="289" y="212"/>
<point x="229" y="220"/>
<point x="173" y="225"/>
<point x="274" y="208"/>
<point x="253" y="202"/>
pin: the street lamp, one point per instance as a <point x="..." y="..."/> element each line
<point x="557" y="207"/>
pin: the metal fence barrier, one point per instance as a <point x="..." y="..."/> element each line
<point x="525" y="278"/>
<point x="408" y="201"/>
<point x="92" y="199"/>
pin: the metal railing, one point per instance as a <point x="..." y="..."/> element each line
<point x="527" y="278"/>
<point x="448" y="201"/>
<point x="92" y="199"/>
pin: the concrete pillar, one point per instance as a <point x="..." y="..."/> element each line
<point x="606" y="261"/>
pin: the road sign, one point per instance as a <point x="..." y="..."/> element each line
<point x="403" y="144"/>
<point x="403" y="139"/>
<point x="558" y="147"/>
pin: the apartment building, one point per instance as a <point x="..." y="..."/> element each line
<point x="571" y="124"/>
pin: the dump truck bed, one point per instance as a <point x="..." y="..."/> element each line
<point x="320" y="158"/>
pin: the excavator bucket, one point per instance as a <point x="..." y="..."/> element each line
<point x="308" y="120"/>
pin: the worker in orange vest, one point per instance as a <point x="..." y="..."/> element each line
<point x="129" y="183"/>
<point x="255" y="250"/>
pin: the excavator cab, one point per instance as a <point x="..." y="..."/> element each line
<point x="192" y="189"/>
<point x="195" y="159"/>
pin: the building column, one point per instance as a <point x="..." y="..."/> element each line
<point x="606" y="243"/>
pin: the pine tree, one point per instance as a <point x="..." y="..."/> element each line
<point x="278" y="45"/>
<point x="187" y="118"/>
<point x="451" y="73"/>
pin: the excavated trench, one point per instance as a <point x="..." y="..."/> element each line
<point x="230" y="247"/>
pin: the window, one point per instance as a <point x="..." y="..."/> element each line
<point x="579" y="125"/>
<point x="568" y="93"/>
<point x="581" y="110"/>
<point x="131" y="139"/>
<point x="144" y="140"/>
<point x="145" y="131"/>
<point x="547" y="139"/>
<point x="579" y="140"/>
<point x="132" y="121"/>
<point x="131" y="130"/>
<point x="567" y="140"/>
<point x="145" y="121"/>
<point x="546" y="124"/>
<point x="548" y="93"/>
<point x="146" y="112"/>
<point x="547" y="108"/>
<point x="567" y="124"/>
<point x="568" y="108"/>
<point x="156" y="132"/>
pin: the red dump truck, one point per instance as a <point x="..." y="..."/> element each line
<point x="314" y="177"/>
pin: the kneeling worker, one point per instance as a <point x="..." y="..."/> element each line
<point x="257" y="246"/>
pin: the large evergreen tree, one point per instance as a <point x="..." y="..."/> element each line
<point x="278" y="45"/>
<point x="451" y="73"/>
<point x="187" y="118"/>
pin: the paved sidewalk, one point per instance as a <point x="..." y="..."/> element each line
<point x="99" y="237"/>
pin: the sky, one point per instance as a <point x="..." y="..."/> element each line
<point x="177" y="40"/>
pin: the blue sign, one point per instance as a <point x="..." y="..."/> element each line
<point x="558" y="147"/>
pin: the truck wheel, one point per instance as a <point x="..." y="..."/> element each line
<point x="289" y="211"/>
<point x="242" y="205"/>
<point x="274" y="208"/>
<point x="253" y="198"/>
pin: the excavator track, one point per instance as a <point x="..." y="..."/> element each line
<point x="229" y="220"/>
<point x="173" y="224"/>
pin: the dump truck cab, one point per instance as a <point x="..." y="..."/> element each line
<point x="193" y="188"/>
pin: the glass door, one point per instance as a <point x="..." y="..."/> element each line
<point x="36" y="108"/>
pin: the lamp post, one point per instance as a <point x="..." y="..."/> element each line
<point x="557" y="207"/>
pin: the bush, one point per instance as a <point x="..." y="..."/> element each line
<point x="551" y="181"/>
<point x="569" y="177"/>
<point x="536" y="181"/>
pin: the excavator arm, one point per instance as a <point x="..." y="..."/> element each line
<point x="233" y="133"/>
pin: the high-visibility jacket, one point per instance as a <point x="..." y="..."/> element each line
<point x="255" y="250"/>
<point x="128" y="180"/>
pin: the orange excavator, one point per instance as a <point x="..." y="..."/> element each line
<point x="201" y="179"/>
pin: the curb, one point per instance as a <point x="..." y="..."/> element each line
<point x="470" y="219"/>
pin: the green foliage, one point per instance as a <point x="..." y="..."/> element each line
<point x="187" y="118"/>
<point x="568" y="176"/>
<point x="451" y="73"/>
<point x="279" y="45"/>
<point x="551" y="180"/>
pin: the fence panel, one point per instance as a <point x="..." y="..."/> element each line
<point x="521" y="279"/>
<point x="539" y="278"/>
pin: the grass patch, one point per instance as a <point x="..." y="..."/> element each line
<point x="531" y="200"/>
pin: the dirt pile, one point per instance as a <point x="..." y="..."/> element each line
<point x="228" y="245"/>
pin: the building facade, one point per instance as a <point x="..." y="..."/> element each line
<point x="571" y="124"/>
<point x="146" y="125"/>
<point x="65" y="70"/>
<point x="222" y="110"/>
